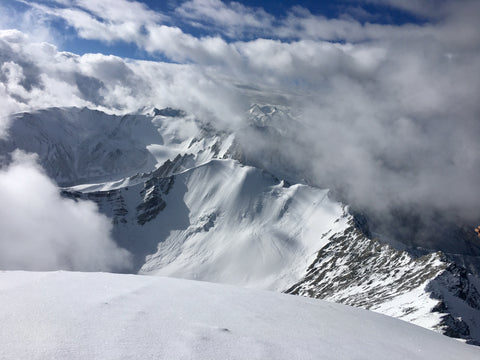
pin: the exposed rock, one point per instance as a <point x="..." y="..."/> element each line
<point x="169" y="112"/>
<point x="153" y="203"/>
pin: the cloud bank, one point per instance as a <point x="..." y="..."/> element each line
<point x="43" y="231"/>
<point x="389" y="114"/>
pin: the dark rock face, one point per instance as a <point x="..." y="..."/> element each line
<point x="130" y="208"/>
<point x="420" y="232"/>
<point x="153" y="203"/>
<point x="169" y="112"/>
<point x="373" y="272"/>
<point x="459" y="299"/>
<point x="118" y="207"/>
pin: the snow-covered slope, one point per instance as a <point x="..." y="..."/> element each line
<point x="79" y="146"/>
<point x="221" y="222"/>
<point x="63" y="315"/>
<point x="184" y="202"/>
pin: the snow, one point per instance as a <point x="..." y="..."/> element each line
<point x="79" y="146"/>
<point x="355" y="270"/>
<point x="241" y="226"/>
<point x="414" y="306"/>
<point x="220" y="220"/>
<point x="59" y="315"/>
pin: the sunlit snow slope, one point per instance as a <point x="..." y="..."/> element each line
<point x="190" y="201"/>
<point x="63" y="315"/>
<point x="178" y="200"/>
<point x="222" y="222"/>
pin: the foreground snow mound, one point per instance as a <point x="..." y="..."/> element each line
<point x="62" y="315"/>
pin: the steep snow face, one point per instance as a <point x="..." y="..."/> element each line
<point x="245" y="227"/>
<point x="106" y="316"/>
<point x="222" y="222"/>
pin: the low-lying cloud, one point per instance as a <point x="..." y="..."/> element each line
<point x="40" y="230"/>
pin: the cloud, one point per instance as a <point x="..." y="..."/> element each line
<point x="108" y="20"/>
<point x="386" y="114"/>
<point x="387" y="127"/>
<point x="36" y="75"/>
<point x="43" y="231"/>
<point x="30" y="21"/>
<point x="233" y="19"/>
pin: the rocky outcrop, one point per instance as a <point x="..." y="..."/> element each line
<point x="459" y="303"/>
<point x="153" y="202"/>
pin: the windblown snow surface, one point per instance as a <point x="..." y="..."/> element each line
<point x="64" y="315"/>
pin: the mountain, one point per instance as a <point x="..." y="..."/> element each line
<point x="222" y="222"/>
<point x="115" y="316"/>
<point x="190" y="201"/>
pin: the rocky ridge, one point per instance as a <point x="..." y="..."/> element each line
<point x="428" y="291"/>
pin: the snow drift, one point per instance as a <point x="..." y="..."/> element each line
<point x="105" y="316"/>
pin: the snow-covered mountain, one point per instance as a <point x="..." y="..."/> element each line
<point x="193" y="202"/>
<point x="79" y="146"/>
<point x="60" y="315"/>
<point x="222" y="222"/>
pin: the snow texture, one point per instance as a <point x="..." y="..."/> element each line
<point x="60" y="315"/>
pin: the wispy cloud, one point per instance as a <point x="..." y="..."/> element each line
<point x="32" y="21"/>
<point x="233" y="19"/>
<point x="106" y="21"/>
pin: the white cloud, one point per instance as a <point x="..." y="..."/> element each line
<point x="391" y="112"/>
<point x="233" y="19"/>
<point x="45" y="77"/>
<point x="43" y="231"/>
<point x="120" y="11"/>
<point x="109" y="20"/>
<point x="32" y="21"/>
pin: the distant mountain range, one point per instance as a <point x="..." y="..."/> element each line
<point x="191" y="201"/>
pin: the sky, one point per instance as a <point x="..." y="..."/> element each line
<point x="386" y="91"/>
<point x="233" y="21"/>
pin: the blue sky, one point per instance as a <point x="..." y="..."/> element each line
<point x="178" y="13"/>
